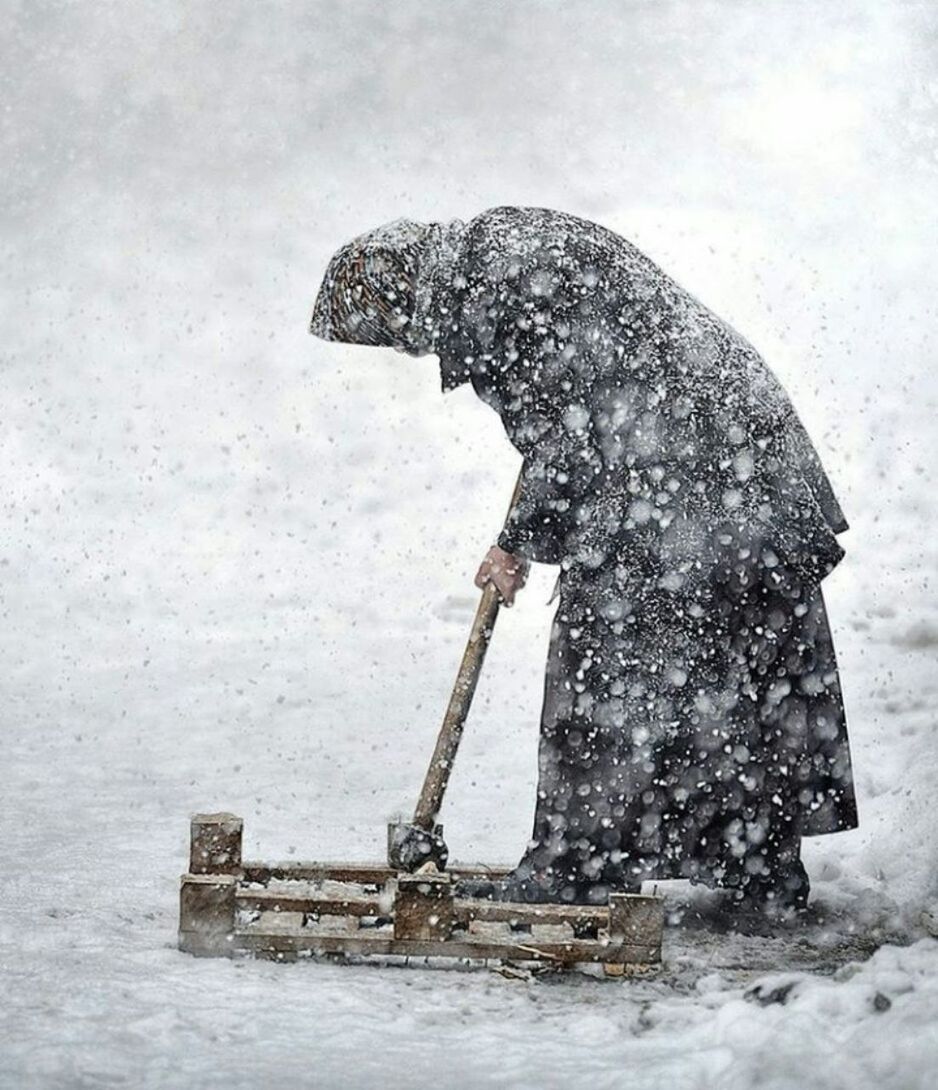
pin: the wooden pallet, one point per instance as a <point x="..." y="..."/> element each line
<point x="231" y="908"/>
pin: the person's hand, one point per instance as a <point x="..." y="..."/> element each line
<point x="508" y="572"/>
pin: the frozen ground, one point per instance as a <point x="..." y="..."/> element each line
<point x="236" y="564"/>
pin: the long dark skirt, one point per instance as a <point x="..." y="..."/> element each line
<point x="686" y="737"/>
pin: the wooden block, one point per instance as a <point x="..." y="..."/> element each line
<point x="215" y="844"/>
<point x="207" y="914"/>
<point x="423" y="907"/>
<point x="636" y="920"/>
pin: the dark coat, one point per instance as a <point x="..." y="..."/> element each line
<point x="693" y="723"/>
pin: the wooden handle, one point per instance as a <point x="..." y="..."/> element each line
<point x="457" y="711"/>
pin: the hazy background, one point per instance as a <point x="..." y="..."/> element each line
<point x="237" y="562"/>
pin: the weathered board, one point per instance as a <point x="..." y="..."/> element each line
<point x="231" y="908"/>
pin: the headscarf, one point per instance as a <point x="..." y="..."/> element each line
<point x="369" y="293"/>
<point x="392" y="286"/>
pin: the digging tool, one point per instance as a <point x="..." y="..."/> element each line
<point x="233" y="908"/>
<point x="414" y="844"/>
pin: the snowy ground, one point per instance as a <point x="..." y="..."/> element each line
<point x="236" y="564"/>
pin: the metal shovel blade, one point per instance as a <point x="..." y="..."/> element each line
<point x="410" y="846"/>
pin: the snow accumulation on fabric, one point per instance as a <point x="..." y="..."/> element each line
<point x="236" y="563"/>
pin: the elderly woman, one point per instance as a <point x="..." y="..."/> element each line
<point x="693" y="725"/>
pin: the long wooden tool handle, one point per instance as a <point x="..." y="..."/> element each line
<point x="447" y="742"/>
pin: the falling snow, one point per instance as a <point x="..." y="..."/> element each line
<point x="236" y="562"/>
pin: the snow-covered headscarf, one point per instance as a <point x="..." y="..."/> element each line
<point x="379" y="288"/>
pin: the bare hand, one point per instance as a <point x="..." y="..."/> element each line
<point x="508" y="572"/>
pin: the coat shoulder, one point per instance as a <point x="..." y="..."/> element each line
<point x="519" y="223"/>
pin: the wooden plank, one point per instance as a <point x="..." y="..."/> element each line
<point x="515" y="912"/>
<point x="482" y="929"/>
<point x="464" y="911"/>
<point x="263" y="900"/>
<point x="291" y="923"/>
<point x="362" y="873"/>
<point x="272" y="944"/>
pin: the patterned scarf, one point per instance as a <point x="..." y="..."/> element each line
<point x="379" y="289"/>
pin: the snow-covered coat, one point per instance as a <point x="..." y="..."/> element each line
<point x="693" y="723"/>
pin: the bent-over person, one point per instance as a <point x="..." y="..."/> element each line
<point x="693" y="725"/>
